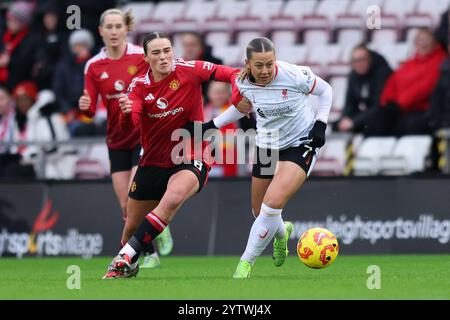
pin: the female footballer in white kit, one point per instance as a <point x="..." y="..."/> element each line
<point x="289" y="133"/>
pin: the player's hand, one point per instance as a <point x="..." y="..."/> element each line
<point x="125" y="104"/>
<point x="85" y="101"/>
<point x="346" y="124"/>
<point x="317" y="134"/>
<point x="244" y="106"/>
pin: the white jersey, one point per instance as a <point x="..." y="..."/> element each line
<point x="283" y="116"/>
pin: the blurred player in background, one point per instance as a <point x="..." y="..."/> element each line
<point x="161" y="101"/>
<point x="109" y="74"/>
<point x="289" y="135"/>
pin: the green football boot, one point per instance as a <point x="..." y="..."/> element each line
<point x="280" y="248"/>
<point x="243" y="270"/>
<point x="151" y="261"/>
<point x="164" y="241"/>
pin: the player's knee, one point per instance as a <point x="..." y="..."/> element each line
<point x="274" y="201"/>
<point x="175" y="196"/>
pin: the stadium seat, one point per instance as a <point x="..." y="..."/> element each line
<point x="232" y="55"/>
<point x="140" y="11"/>
<point x="314" y="37"/>
<point x="332" y="156"/>
<point x="249" y="24"/>
<point x="61" y="167"/>
<point x="331" y="9"/>
<point x="169" y="10"/>
<point x="244" y="37"/>
<point x="225" y="14"/>
<point x="395" y="53"/>
<point x="93" y="162"/>
<point x="384" y="36"/>
<point x="284" y="38"/>
<point x="339" y="85"/>
<point x="349" y="22"/>
<point x="399" y="8"/>
<point x="89" y="169"/>
<point x="164" y="14"/>
<point x="232" y="9"/>
<point x="350" y="37"/>
<point x="323" y="55"/>
<point x="369" y="153"/>
<point x="265" y="9"/>
<point x="434" y="8"/>
<point x="218" y="38"/>
<point x="299" y="8"/>
<point x="293" y="54"/>
<point x="258" y="15"/>
<point x="409" y="156"/>
<point x="201" y="10"/>
<point x="291" y="15"/>
<point x="359" y="7"/>
<point x="416" y="20"/>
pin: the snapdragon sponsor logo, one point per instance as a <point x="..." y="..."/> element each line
<point x="42" y="241"/>
<point x="166" y="113"/>
<point x="350" y="229"/>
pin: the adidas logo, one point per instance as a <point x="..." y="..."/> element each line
<point x="149" y="97"/>
<point x="104" y="75"/>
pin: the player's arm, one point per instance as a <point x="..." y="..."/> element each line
<point x="309" y="83"/>
<point x="131" y="107"/>
<point x="207" y="71"/>
<point x="232" y="114"/>
<point x="88" y="101"/>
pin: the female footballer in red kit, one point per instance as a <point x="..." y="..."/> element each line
<point x="161" y="101"/>
<point x="109" y="73"/>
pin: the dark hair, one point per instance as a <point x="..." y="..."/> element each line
<point x="153" y="35"/>
<point x="262" y="44"/>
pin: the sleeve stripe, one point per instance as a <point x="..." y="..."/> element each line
<point x="314" y="85"/>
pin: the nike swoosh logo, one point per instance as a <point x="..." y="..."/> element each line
<point x="264" y="235"/>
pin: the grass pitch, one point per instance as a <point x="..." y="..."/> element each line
<point x="402" y="277"/>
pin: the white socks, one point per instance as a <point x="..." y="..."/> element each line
<point x="267" y="225"/>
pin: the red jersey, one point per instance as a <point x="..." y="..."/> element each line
<point x="110" y="78"/>
<point x="161" y="107"/>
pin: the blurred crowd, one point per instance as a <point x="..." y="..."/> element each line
<point x="42" y="75"/>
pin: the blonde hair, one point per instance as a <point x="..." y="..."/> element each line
<point x="261" y="44"/>
<point x="127" y="17"/>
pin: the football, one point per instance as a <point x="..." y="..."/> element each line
<point x="317" y="248"/>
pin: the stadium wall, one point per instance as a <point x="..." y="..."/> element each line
<point x="368" y="215"/>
